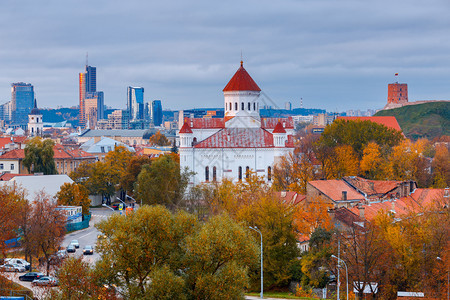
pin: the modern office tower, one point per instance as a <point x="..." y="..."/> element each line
<point x="157" y="112"/>
<point x="94" y="109"/>
<point x="5" y="111"/>
<point x="22" y="102"/>
<point x="147" y="111"/>
<point x="87" y="84"/>
<point x="135" y="103"/>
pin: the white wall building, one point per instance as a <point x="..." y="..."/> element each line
<point x="227" y="148"/>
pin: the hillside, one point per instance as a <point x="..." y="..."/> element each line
<point x="427" y="120"/>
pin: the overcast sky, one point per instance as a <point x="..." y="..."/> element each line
<point x="335" y="54"/>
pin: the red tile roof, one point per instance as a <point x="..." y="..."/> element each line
<point x="238" y="138"/>
<point x="7" y="140"/>
<point x="270" y="123"/>
<point x="9" y="176"/>
<point x="420" y="198"/>
<point x="333" y="189"/>
<point x="389" y="121"/>
<point x="78" y="153"/>
<point x="372" y="187"/>
<point x="241" y="81"/>
<point x="205" y="123"/>
<point x="185" y="128"/>
<point x="14" y="154"/>
<point x="290" y="197"/>
<point x="279" y="128"/>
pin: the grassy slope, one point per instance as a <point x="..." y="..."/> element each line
<point x="423" y="120"/>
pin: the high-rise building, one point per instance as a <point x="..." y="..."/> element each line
<point x="22" y="102"/>
<point x="135" y="103"/>
<point x="94" y="108"/>
<point x="87" y="85"/>
<point x="157" y="112"/>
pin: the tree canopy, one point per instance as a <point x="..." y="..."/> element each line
<point x="39" y="156"/>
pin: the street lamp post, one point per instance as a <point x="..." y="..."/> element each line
<point x="346" y="270"/>
<point x="262" y="274"/>
<point x="448" y="279"/>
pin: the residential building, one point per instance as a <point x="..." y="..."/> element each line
<point x="99" y="147"/>
<point x="126" y="136"/>
<point x="12" y="162"/>
<point x="22" y="102"/>
<point x="135" y="103"/>
<point x="157" y="112"/>
<point x="67" y="161"/>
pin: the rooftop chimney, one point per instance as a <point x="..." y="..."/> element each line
<point x="361" y="209"/>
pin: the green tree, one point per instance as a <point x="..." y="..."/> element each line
<point x="74" y="194"/>
<point x="152" y="245"/>
<point x="358" y="134"/>
<point x="159" y="139"/>
<point x="39" y="156"/>
<point x="162" y="182"/>
<point x="132" y="171"/>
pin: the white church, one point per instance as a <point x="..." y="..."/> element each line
<point x="242" y="141"/>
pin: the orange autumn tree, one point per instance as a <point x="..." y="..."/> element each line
<point x="312" y="214"/>
<point x="372" y="164"/>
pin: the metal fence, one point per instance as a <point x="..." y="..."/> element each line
<point x="79" y="225"/>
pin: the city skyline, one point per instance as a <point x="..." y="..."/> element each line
<point x="332" y="55"/>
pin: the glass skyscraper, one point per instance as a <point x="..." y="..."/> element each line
<point x="135" y="103"/>
<point x="157" y="112"/>
<point x="87" y="85"/>
<point x="22" y="102"/>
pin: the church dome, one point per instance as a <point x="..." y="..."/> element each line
<point x="241" y="81"/>
<point x="35" y="111"/>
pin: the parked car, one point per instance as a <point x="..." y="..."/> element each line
<point x="18" y="261"/>
<point x="117" y="205"/>
<point x="71" y="249"/>
<point x="75" y="243"/>
<point x="88" y="250"/>
<point x="12" y="268"/>
<point x="30" y="276"/>
<point x="45" y="281"/>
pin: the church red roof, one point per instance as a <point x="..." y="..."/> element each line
<point x="279" y="128"/>
<point x="185" y="128"/>
<point x="241" y="81"/>
<point x="238" y="138"/>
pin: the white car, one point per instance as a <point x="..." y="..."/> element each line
<point x="12" y="268"/>
<point x="18" y="261"/>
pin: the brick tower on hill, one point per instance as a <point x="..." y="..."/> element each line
<point x="397" y="93"/>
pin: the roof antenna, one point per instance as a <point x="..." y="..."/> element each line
<point x="87" y="59"/>
<point x="242" y="62"/>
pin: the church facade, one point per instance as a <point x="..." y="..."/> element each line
<point x="240" y="143"/>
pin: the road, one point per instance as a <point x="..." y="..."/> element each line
<point x="86" y="236"/>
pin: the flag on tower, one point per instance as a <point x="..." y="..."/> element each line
<point x="396" y="74"/>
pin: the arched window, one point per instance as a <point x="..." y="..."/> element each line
<point x="242" y="106"/>
<point x="269" y="173"/>
<point x="247" y="172"/>
<point x="214" y="174"/>
<point x="231" y="107"/>
<point x="235" y="106"/>
<point x="207" y="174"/>
<point x="249" y="107"/>
<point x="240" y="173"/>
<point x="254" y="106"/>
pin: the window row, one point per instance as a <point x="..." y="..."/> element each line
<point x="247" y="173"/>
<point x="2" y="167"/>
<point x="236" y="105"/>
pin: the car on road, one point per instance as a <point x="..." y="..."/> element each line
<point x="88" y="250"/>
<point x="58" y="257"/>
<point x="18" y="261"/>
<point x="75" y="243"/>
<point x="71" y="249"/>
<point x="12" y="268"/>
<point x="117" y="205"/>
<point x="30" y="276"/>
<point x="45" y="281"/>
